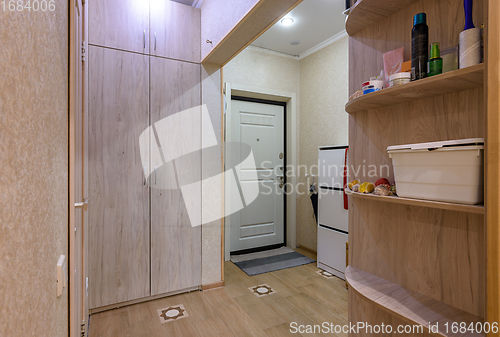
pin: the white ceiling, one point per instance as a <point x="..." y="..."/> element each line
<point x="315" y="22"/>
<point x="194" y="3"/>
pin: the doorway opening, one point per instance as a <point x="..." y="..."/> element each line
<point x="264" y="120"/>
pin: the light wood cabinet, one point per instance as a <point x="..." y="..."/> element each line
<point x="175" y="243"/>
<point x="120" y="24"/>
<point x="118" y="195"/>
<point x="175" y="31"/>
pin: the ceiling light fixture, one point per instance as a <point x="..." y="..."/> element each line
<point x="286" y="21"/>
<point x="295" y="42"/>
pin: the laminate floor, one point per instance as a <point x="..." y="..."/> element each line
<point x="239" y="309"/>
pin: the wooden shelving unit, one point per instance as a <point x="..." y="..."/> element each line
<point x="476" y="209"/>
<point x="450" y="82"/>
<point x="367" y="12"/>
<point x="415" y="264"/>
<point x="409" y="305"/>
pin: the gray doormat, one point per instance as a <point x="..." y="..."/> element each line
<point x="269" y="260"/>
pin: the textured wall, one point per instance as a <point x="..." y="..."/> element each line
<point x="320" y="81"/>
<point x="211" y="163"/>
<point x="323" y="120"/>
<point x="33" y="170"/>
<point x="228" y="14"/>
<point x="263" y="70"/>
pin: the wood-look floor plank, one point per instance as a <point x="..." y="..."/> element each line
<point x="282" y="330"/>
<point x="150" y="327"/>
<point x="213" y="327"/>
<point x="302" y="297"/>
<point x="114" y="323"/>
<point x="257" y="309"/>
<point x="181" y="328"/>
<point x="239" y="323"/>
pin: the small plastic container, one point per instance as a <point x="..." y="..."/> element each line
<point x="450" y="171"/>
<point x="372" y="86"/>
<point x="399" y="79"/>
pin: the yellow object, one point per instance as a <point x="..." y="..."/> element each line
<point x="352" y="183"/>
<point x="366" y="187"/>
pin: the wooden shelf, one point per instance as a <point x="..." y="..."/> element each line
<point x="477" y="209"/>
<point x="408" y="305"/>
<point x="452" y="81"/>
<point x="367" y="12"/>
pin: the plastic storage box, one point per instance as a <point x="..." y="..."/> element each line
<point x="450" y="171"/>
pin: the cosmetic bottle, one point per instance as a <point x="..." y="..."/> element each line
<point x="419" y="47"/>
<point x="435" y="62"/>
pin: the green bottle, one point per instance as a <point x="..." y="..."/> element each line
<point x="435" y="65"/>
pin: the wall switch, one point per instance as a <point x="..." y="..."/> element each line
<point x="61" y="274"/>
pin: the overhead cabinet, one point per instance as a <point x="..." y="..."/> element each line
<point x="120" y="24"/>
<point x="162" y="28"/>
<point x="175" y="31"/>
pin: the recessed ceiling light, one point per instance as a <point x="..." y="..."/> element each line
<point x="286" y="21"/>
<point x="295" y="42"/>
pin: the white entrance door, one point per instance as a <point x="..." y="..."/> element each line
<point x="261" y="127"/>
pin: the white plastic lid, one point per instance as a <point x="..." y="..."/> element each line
<point x="437" y="145"/>
<point x="399" y="75"/>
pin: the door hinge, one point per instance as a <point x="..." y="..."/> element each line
<point x="83" y="51"/>
<point x="82" y="328"/>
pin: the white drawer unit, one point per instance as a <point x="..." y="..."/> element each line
<point x="332" y="210"/>
<point x="332" y="251"/>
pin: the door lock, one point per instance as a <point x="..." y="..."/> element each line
<point x="281" y="155"/>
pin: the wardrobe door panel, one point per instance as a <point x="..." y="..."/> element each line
<point x="176" y="178"/>
<point x="175" y="31"/>
<point x="120" y="24"/>
<point x="118" y="193"/>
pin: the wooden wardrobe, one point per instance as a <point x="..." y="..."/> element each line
<point x="144" y="65"/>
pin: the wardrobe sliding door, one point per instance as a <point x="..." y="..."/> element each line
<point x="119" y="195"/>
<point x="176" y="167"/>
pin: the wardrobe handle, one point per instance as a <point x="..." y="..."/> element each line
<point x="155" y="175"/>
<point x="144" y="38"/>
<point x="155" y="40"/>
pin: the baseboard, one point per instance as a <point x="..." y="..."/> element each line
<point x="141" y="300"/>
<point x="307" y="249"/>
<point x="212" y="285"/>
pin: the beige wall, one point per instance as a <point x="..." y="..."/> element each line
<point x="33" y="171"/>
<point x="323" y="120"/>
<point x="263" y="70"/>
<point x="211" y="249"/>
<point x="320" y="82"/>
<point x="228" y="14"/>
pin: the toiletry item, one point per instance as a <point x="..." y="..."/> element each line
<point x="406" y="67"/>
<point x="399" y="79"/>
<point x="393" y="61"/>
<point x="470" y="40"/>
<point x="371" y="86"/>
<point x="450" y="59"/>
<point x="435" y="62"/>
<point x="419" y="47"/>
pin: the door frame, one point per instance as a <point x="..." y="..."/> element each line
<point x="77" y="301"/>
<point x="290" y="98"/>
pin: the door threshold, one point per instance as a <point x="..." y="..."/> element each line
<point x="257" y="249"/>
